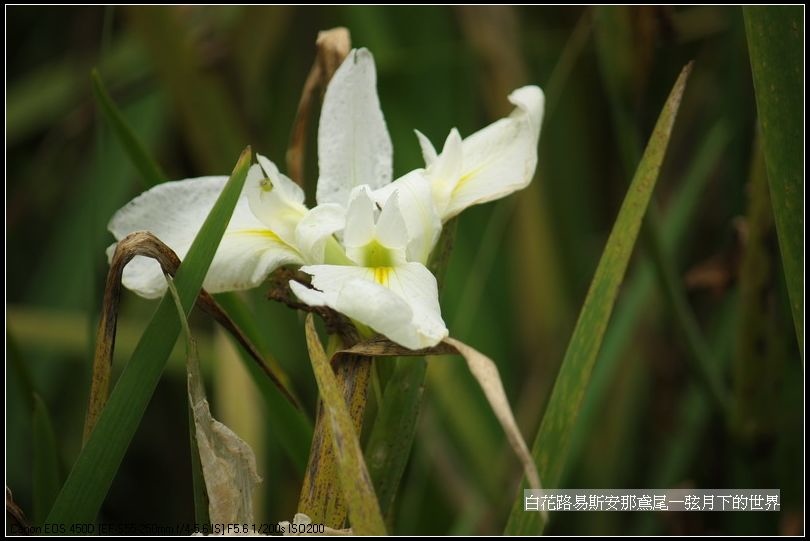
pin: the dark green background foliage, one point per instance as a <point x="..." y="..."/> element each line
<point x="199" y="84"/>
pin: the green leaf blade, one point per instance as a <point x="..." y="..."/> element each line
<point x="389" y="445"/>
<point x="293" y="427"/>
<point x="553" y="438"/>
<point x="775" y="44"/>
<point x="88" y="482"/>
<point x="137" y="153"/>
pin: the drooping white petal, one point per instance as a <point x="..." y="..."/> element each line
<point x="415" y="283"/>
<point x="501" y="158"/>
<point x="275" y="199"/>
<point x="174" y="212"/>
<point x="354" y="147"/>
<point x="530" y="103"/>
<point x="414" y="194"/>
<point x="364" y="301"/>
<point x="315" y="230"/>
<point x="428" y="152"/>
<point x="400" y="302"/>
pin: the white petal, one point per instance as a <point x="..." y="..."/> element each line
<point x="398" y="302"/>
<point x="174" y="212"/>
<point x="428" y="152"/>
<point x="288" y="188"/>
<point x="529" y="102"/>
<point x="416" y="204"/>
<point x="501" y="158"/>
<point x="447" y="171"/>
<point x="390" y="228"/>
<point x="359" y="219"/>
<point x="275" y="199"/>
<point x="316" y="229"/>
<point x="246" y="257"/>
<point x="354" y="147"/>
<point x="367" y="302"/>
<point x="415" y="283"/>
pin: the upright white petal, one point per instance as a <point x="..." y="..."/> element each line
<point x="401" y="302"/>
<point x="275" y="199"/>
<point x="354" y="147"/>
<point x="447" y="171"/>
<point x="428" y="152"/>
<point x="415" y="197"/>
<point x="174" y="212"/>
<point x="390" y="229"/>
<point x="359" y="219"/>
<point x="501" y="158"/>
<point x="315" y="230"/>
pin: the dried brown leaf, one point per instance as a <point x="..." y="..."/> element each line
<point x="228" y="463"/>
<point x="143" y="243"/>
<point x="485" y="373"/>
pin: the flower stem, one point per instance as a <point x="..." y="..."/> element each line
<point x="320" y="496"/>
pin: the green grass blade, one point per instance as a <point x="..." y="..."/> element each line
<point x="775" y="45"/>
<point x="551" y="444"/>
<point x="390" y="442"/>
<point x="46" y="461"/>
<point x="149" y="170"/>
<point x="618" y="76"/>
<point x="40" y="98"/>
<point x="358" y="492"/>
<point x="636" y="297"/>
<point x="92" y="474"/>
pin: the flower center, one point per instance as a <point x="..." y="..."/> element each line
<point x="381" y="275"/>
<point x="377" y="255"/>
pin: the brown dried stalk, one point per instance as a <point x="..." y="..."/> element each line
<point x="333" y="47"/>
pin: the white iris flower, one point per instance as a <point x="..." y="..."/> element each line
<point x="367" y="241"/>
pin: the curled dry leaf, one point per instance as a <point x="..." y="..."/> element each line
<point x="228" y="463"/>
<point x="145" y="244"/>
